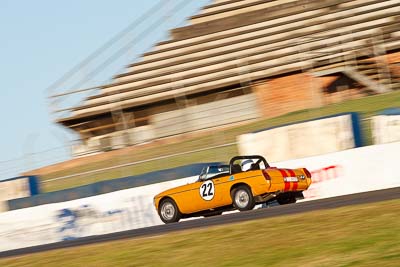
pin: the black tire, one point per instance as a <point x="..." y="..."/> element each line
<point x="242" y="198"/>
<point x="168" y="211"/>
<point x="286" y="199"/>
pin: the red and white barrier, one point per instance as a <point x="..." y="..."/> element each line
<point x="351" y="171"/>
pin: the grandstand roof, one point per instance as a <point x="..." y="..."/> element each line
<point x="234" y="40"/>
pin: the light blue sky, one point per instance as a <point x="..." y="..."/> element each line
<point x="40" y="41"/>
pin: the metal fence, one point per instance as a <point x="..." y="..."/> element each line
<point x="129" y="164"/>
<point x="33" y="160"/>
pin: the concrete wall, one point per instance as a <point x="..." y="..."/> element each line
<point x="280" y="95"/>
<point x="386" y="126"/>
<point x="303" y="139"/>
<point x="286" y="94"/>
<point x="227" y="111"/>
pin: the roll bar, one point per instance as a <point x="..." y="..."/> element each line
<point x="256" y="157"/>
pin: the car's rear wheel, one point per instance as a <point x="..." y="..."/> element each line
<point x="169" y="211"/>
<point x="243" y="198"/>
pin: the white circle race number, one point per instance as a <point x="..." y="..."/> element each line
<point x="207" y="190"/>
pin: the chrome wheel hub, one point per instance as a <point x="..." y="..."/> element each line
<point x="242" y="198"/>
<point x="167" y="211"/>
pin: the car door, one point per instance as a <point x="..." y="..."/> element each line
<point x="208" y="194"/>
<point x="204" y="194"/>
<point x="196" y="197"/>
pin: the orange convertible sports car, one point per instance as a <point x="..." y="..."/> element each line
<point x="245" y="182"/>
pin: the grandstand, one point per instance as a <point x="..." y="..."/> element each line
<point x="244" y="60"/>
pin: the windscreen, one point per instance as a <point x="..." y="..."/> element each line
<point x="213" y="170"/>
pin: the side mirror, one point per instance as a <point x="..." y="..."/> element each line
<point x="203" y="174"/>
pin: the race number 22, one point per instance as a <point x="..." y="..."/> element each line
<point x="207" y="190"/>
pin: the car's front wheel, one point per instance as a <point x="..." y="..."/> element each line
<point x="169" y="211"/>
<point x="243" y="198"/>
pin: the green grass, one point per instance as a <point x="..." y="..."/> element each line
<point x="367" y="107"/>
<point x="363" y="235"/>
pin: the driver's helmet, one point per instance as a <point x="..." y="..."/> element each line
<point x="246" y="164"/>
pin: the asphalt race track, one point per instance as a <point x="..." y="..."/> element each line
<point x="328" y="203"/>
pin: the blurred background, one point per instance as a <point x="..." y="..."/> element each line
<point x="231" y="68"/>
